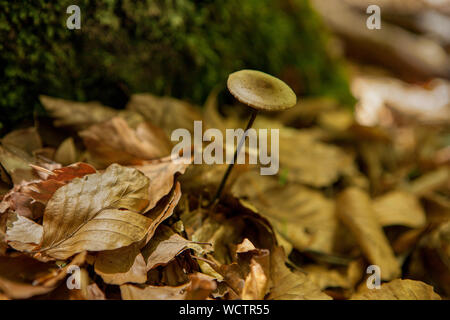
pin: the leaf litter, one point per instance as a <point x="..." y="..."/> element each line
<point x="108" y="199"/>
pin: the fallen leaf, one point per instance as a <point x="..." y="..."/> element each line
<point x="132" y="292"/>
<point x="115" y="142"/>
<point x="161" y="174"/>
<point x="27" y="140"/>
<point x="165" y="246"/>
<point x="288" y="285"/>
<point x="325" y="277"/>
<point x="66" y="153"/>
<point x="17" y="276"/>
<point x="164" y="112"/>
<point x="23" y="277"/>
<point x="127" y="264"/>
<point x="354" y="207"/>
<point x="97" y="212"/>
<point x="219" y="233"/>
<point x="430" y="259"/>
<point x="304" y="217"/>
<point x="22" y="204"/>
<point x="398" y="289"/>
<point x="201" y="286"/>
<point x="399" y="208"/>
<point x="17" y="168"/>
<point x="121" y="266"/>
<point x="42" y="191"/>
<point x="249" y="275"/>
<point x="256" y="283"/>
<point x="78" y="115"/>
<point x="22" y="233"/>
<point x="311" y="162"/>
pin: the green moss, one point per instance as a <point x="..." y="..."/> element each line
<point x="181" y="48"/>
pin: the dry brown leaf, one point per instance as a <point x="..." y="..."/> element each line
<point x="161" y="174"/>
<point x="78" y="115"/>
<point x="163" y="210"/>
<point x="42" y="191"/>
<point x="430" y="181"/>
<point x="430" y="261"/>
<point x="165" y="246"/>
<point x="398" y="289"/>
<point x="27" y="140"/>
<point x="67" y="152"/>
<point x="22" y="233"/>
<point x="288" y="285"/>
<point x="220" y="234"/>
<point x="127" y="264"/>
<point x="399" y="208"/>
<point x="115" y="142"/>
<point x="97" y="212"/>
<point x="249" y="275"/>
<point x="132" y="292"/>
<point x="121" y="266"/>
<point x="88" y="290"/>
<point x="245" y="246"/>
<point x="52" y="279"/>
<point x="325" y="278"/>
<point x="28" y="198"/>
<point x="311" y="162"/>
<point x="23" y="277"/>
<point x="164" y="112"/>
<point x="354" y="207"/>
<point x="20" y="203"/>
<point x="18" y="274"/>
<point x="201" y="286"/>
<point x="256" y="283"/>
<point x="303" y="217"/>
<point x="17" y="166"/>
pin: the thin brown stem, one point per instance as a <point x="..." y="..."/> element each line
<point x="236" y="153"/>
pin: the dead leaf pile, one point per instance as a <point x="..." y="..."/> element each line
<point x="97" y="199"/>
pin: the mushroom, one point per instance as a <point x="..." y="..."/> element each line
<point x="259" y="91"/>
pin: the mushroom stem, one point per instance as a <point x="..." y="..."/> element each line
<point x="236" y="153"/>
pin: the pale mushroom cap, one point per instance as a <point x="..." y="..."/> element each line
<point x="260" y="90"/>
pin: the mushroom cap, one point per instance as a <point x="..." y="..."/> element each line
<point x="260" y="90"/>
